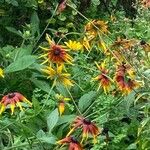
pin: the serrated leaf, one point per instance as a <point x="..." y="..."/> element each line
<point x="20" y="64"/>
<point x="86" y="100"/>
<point x="52" y="119"/>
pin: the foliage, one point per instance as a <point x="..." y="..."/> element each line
<point x="79" y="67"/>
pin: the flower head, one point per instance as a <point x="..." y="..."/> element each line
<point x="1" y="73"/>
<point x="96" y="27"/>
<point x="72" y="142"/>
<point x="145" y="46"/>
<point x="61" y="103"/>
<point x="57" y="75"/>
<point x="56" y="53"/>
<point x="87" y="126"/>
<point x="123" y="44"/>
<point x="124" y="78"/>
<point x="13" y="99"/>
<point x="103" y="79"/>
<point x="73" y="45"/>
<point x="61" y="6"/>
<point x="146" y="3"/>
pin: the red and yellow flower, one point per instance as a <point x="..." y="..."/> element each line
<point x="145" y="46"/>
<point x="123" y="44"/>
<point x="146" y="3"/>
<point x="124" y="78"/>
<point x="103" y="78"/>
<point x="61" y="103"/>
<point x="72" y="142"/>
<point x="13" y="99"/>
<point x="55" y="53"/>
<point x="87" y="126"/>
<point x="57" y="75"/>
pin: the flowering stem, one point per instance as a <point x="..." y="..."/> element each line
<point x="45" y="29"/>
<point x="74" y="102"/>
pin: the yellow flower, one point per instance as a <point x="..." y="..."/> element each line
<point x="73" y="45"/>
<point x="1" y="73"/>
<point x="61" y="103"/>
<point x="86" y="43"/>
<point x="57" y="75"/>
<point x="103" y="47"/>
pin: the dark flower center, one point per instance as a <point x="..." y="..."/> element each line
<point x="61" y="101"/>
<point x="105" y="130"/>
<point x="87" y="121"/>
<point x="57" y="51"/>
<point x="142" y="42"/>
<point x="74" y="140"/>
<point x="11" y="95"/>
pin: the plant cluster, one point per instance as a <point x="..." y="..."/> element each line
<point x="79" y="85"/>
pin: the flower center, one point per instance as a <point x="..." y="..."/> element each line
<point x="57" y="51"/>
<point x="87" y="121"/>
<point x="142" y="42"/>
<point x="74" y="140"/>
<point x="11" y="95"/>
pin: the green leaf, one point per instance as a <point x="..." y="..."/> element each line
<point x="96" y="2"/>
<point x="128" y="101"/>
<point x="66" y="119"/>
<point x="45" y="138"/>
<point x="103" y="118"/>
<point x="49" y="140"/>
<point x="20" y="64"/>
<point x="42" y="85"/>
<point x="13" y="30"/>
<point x="35" y="23"/>
<point x="132" y="146"/>
<point x="13" y="2"/>
<point x="21" y="52"/>
<point x="52" y="119"/>
<point x="86" y="100"/>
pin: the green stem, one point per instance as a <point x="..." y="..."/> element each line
<point x="46" y="99"/>
<point x="74" y="101"/>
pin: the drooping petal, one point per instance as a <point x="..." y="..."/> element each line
<point x="2" y="108"/>
<point x="12" y="107"/>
